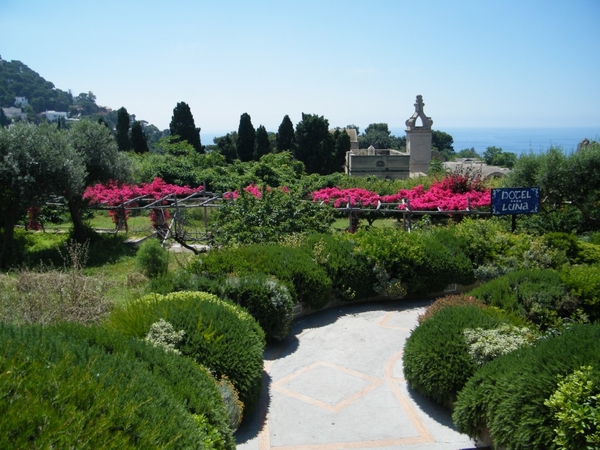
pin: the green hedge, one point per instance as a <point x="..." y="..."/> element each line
<point x="436" y="356"/>
<point x="269" y="302"/>
<point x="219" y="335"/>
<point x="539" y="296"/>
<point x="507" y="395"/>
<point x="59" y="392"/>
<point x="190" y="383"/>
<point x="306" y="280"/>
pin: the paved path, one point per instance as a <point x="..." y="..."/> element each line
<point x="337" y="383"/>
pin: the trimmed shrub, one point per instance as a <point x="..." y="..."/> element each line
<point x="539" y="296"/>
<point x="60" y="392"/>
<point x="304" y="278"/>
<point x="269" y="302"/>
<point x="152" y="259"/>
<point x="351" y="273"/>
<point x="576" y="408"/>
<point x="583" y="283"/>
<point x="188" y="382"/>
<point x="436" y="357"/>
<point x="449" y="300"/>
<point x="218" y="335"/>
<point x="162" y="334"/>
<point x="507" y="395"/>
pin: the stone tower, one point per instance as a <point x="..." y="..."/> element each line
<point x="418" y="138"/>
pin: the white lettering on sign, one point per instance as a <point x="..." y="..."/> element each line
<point x="515" y="207"/>
<point x="516" y="195"/>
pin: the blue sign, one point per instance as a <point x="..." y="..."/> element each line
<point x="516" y="200"/>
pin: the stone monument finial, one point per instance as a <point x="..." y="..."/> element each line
<point x="411" y="123"/>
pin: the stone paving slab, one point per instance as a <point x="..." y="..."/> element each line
<point x="337" y="383"/>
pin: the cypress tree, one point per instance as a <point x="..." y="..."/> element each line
<point x="246" y="138"/>
<point x="263" y="146"/>
<point x="227" y="148"/>
<point x="4" y="121"/>
<point x="285" y="135"/>
<point x="139" y="141"/>
<point x="123" y="130"/>
<point x="182" y="125"/>
<point x="314" y="144"/>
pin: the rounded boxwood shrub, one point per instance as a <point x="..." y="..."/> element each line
<point x="539" y="296"/>
<point x="187" y="381"/>
<point x="269" y="302"/>
<point x="219" y="335"/>
<point x="436" y="357"/>
<point x="152" y="259"/>
<point x="507" y="396"/>
<point x="59" y="392"/>
<point x="306" y="280"/>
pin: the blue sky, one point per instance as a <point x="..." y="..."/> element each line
<point x="482" y="63"/>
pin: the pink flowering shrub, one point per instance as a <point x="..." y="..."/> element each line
<point x="454" y="192"/>
<point x="114" y="193"/>
<point x="252" y="189"/>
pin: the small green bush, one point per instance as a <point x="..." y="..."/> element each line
<point x="60" y="392"/>
<point x="436" y="357"/>
<point x="306" y="280"/>
<point x="576" y="408"/>
<point x="152" y="259"/>
<point x="583" y="283"/>
<point x="162" y="334"/>
<point x="269" y="302"/>
<point x="218" y="335"/>
<point x="507" y="395"/>
<point x="449" y="300"/>
<point x="539" y="296"/>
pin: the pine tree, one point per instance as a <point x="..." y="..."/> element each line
<point x="263" y="146"/>
<point x="139" y="141"/>
<point x="182" y="125"/>
<point x="123" y="130"/>
<point x="246" y="138"/>
<point x="285" y="135"/>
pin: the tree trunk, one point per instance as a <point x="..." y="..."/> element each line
<point x="80" y="233"/>
<point x="6" y="251"/>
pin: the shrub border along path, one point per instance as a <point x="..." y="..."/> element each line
<point x="337" y="382"/>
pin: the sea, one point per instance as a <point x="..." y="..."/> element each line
<point x="514" y="140"/>
<point x="519" y="140"/>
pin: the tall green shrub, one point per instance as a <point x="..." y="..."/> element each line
<point x="65" y="393"/>
<point x="583" y="283"/>
<point x="436" y="357"/>
<point x="507" y="395"/>
<point x="269" y="302"/>
<point x="219" y="335"/>
<point x="152" y="259"/>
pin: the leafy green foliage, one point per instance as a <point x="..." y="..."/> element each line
<point x="183" y="127"/>
<point x="139" y="140"/>
<point x="219" y="335"/>
<point x="267" y="219"/>
<point x="350" y="272"/>
<point x="315" y="145"/>
<point x="269" y="302"/>
<point x="436" y="357"/>
<point x="122" y="136"/>
<point x="583" y="283"/>
<point x="507" y="395"/>
<point x="577" y="411"/>
<point x="152" y="259"/>
<point x="539" y="296"/>
<point x="76" y="394"/>
<point x="233" y="405"/>
<point x="285" y="135"/>
<point x="306" y="280"/>
<point x="262" y="145"/>
<point x="162" y="334"/>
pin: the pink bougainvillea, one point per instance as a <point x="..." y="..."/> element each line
<point x="252" y="189"/>
<point x="455" y="192"/>
<point x="114" y="193"/>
